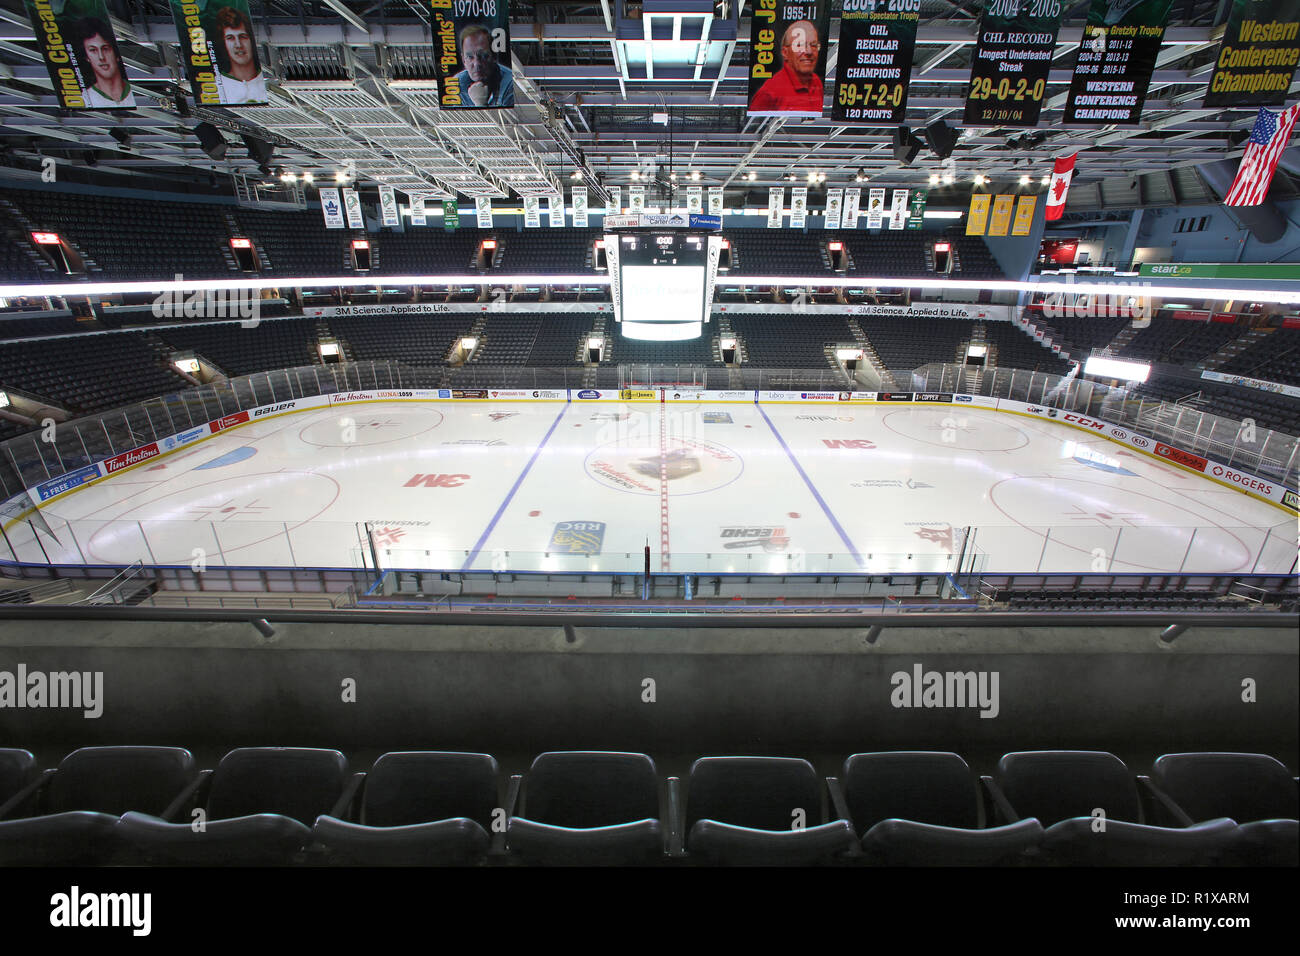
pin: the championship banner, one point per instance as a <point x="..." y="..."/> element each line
<point x="388" y="206"/>
<point x="787" y="57"/>
<point x="579" y="207"/>
<point x="1013" y="56"/>
<point x="977" y="217"/>
<point x="1024" y="215"/>
<point x="852" y="196"/>
<point x="635" y="200"/>
<point x="352" y="205"/>
<point x="483" y="207"/>
<point x="469" y="48"/>
<point x="1258" y="56"/>
<point x="332" y="208"/>
<point x="875" y="208"/>
<point x="874" y="65"/>
<point x="916" y="216"/>
<point x="834" y="203"/>
<point x="532" y="212"/>
<point x="556" y="206"/>
<point x="615" y="205"/>
<point x="450" y="215"/>
<point x="1116" y="57"/>
<point x="79" y="47"/>
<point x="1000" y="221"/>
<point x="417" y="210"/>
<point x="798" y="207"/>
<point x="775" y="200"/>
<point x="898" y="210"/>
<point x="220" y="52"/>
<point x="715" y="200"/>
<point x="695" y="200"/>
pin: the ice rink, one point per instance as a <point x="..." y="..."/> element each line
<point x="709" y="487"/>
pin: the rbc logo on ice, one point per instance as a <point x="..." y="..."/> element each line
<point x="577" y="537"/>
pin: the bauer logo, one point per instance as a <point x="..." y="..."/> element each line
<point x="588" y="393"/>
<point x="577" y="537"/>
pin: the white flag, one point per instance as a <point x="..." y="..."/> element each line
<point x="875" y="208"/>
<point x="715" y="200"/>
<point x="332" y="207"/>
<point x="580" y="207"/>
<point x="852" y="196"/>
<point x="834" y="198"/>
<point x="417" y="210"/>
<point x="557" y="210"/>
<point x="798" y="206"/>
<point x="775" y="200"/>
<point x="483" y="206"/>
<point x="388" y="205"/>
<point x="352" y="203"/>
<point x="898" y="211"/>
<point x="532" y="212"/>
<point x="694" y="200"/>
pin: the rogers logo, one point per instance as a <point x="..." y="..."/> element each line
<point x="1246" y="481"/>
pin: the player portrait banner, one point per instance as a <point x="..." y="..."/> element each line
<point x="852" y="196"/>
<point x="579" y="207"/>
<point x="695" y="200"/>
<point x="332" y="207"/>
<point x="875" y="208"/>
<point x="79" y="48"/>
<point x="874" y="65"/>
<point x="1118" y="53"/>
<point x="898" y="209"/>
<point x="775" y="202"/>
<point x="715" y="200"/>
<point x="798" y="206"/>
<point x="635" y="200"/>
<point x="471" y="46"/>
<point x="556" y="204"/>
<point x="388" y="206"/>
<point x="220" y="52"/>
<point x="1013" y="56"/>
<point x="1000" y="219"/>
<point x="788" y="43"/>
<point x="834" y="208"/>
<point x="1024" y="218"/>
<point x="532" y="212"/>
<point x="615" y="205"/>
<point x="483" y="209"/>
<point x="1258" y="55"/>
<point x="352" y="205"/>
<point x="977" y="217"/>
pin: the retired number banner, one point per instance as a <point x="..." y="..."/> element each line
<point x="877" y="38"/>
<point x="77" y="43"/>
<point x="1116" y="57"/>
<point x="1258" y="56"/>
<point x="1013" y="56"/>
<point x="471" y="45"/>
<point x="788" y="43"/>
<point x="220" y="52"/>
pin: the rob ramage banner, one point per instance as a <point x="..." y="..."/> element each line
<point x="220" y="52"/>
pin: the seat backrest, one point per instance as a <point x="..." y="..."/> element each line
<point x="925" y="787"/>
<point x="297" y="782"/>
<point x="412" y="787"/>
<point x="584" y="788"/>
<point x="17" y="770"/>
<point x="120" y="779"/>
<point x="1245" y="787"/>
<point x="1056" y="785"/>
<point x="762" y="793"/>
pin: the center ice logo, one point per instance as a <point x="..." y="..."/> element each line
<point x="682" y="466"/>
<point x="577" y="537"/>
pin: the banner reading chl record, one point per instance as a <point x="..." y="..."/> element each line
<point x="1013" y="56"/>
<point x="787" y="57"/>
<point x="1258" y="55"/>
<point x="80" y="51"/>
<point x="220" y="52"/>
<point x="1116" y="57"/>
<point x="874" y="65"/>
<point x="471" y="44"/>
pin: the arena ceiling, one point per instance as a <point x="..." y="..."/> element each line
<point x="353" y="93"/>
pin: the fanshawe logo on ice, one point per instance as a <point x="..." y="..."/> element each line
<point x="21" y="689"/>
<point x="946" y="689"/>
<point x="436" y="481"/>
<point x="243" y="304"/>
<point x="860" y="444"/>
<point x="577" y="537"/>
<point x="76" y="909"/>
<point x="768" y="538"/>
<point x="129" y="458"/>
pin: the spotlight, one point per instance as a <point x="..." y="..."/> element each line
<point x="1024" y="180"/>
<point x="906" y="145"/>
<point x="949" y="178"/>
<point x="695" y="175"/>
<point x="752" y="176"/>
<point x="635" y="175"/>
<point x="210" y="138"/>
<point x="934" y="179"/>
<point x="941" y="138"/>
<point x="340" y="177"/>
<point x="288" y="177"/>
<point x="308" y="177"/>
<point x="981" y="180"/>
<point x="575" y="175"/>
<point x="1045" y="181"/>
<point x="673" y="177"/>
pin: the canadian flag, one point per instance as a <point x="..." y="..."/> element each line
<point x="1062" y="170"/>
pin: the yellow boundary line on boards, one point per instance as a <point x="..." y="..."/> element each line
<point x="364" y="401"/>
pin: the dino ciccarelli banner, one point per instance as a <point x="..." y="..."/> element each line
<point x="77" y="43"/>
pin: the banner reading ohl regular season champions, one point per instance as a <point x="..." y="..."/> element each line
<point x="80" y="51"/>
<point x="1116" y="57"/>
<point x="787" y="57"/>
<point x="471" y="45"/>
<point x="220" y="52"/>
<point x="1013" y="56"/>
<point x="1257" y="58"/>
<point x="874" y="65"/>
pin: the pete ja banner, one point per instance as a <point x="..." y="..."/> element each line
<point x="787" y="57"/>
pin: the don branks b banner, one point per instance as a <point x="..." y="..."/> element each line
<point x="77" y="43"/>
<point x="1116" y="57"/>
<point x="471" y="40"/>
<point x="1013" y="55"/>
<point x="1258" y="56"/>
<point x="877" y="38"/>
<point x="787" y="57"/>
<point x="220" y="52"/>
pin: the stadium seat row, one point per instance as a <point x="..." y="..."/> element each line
<point x="300" y="805"/>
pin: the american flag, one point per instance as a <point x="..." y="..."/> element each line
<point x="1267" y="141"/>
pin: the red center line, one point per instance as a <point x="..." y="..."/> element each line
<point x="663" y="490"/>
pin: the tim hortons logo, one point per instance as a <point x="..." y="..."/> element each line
<point x="436" y="481"/>
<point x="859" y="443"/>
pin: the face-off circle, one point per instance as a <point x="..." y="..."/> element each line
<point x="955" y="428"/>
<point x="362" y="425"/>
<point x="690" y="466"/>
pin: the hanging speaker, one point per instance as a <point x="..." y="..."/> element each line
<point x="210" y="138"/>
<point x="906" y="145"/>
<point x="941" y="138"/>
<point x="259" y="150"/>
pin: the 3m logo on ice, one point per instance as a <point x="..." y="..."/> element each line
<point x="436" y="481"/>
<point x="75" y="909"/>
<point x="859" y="443"/>
<point x="947" y="689"/>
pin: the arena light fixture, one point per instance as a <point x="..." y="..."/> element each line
<point x="46" y="238"/>
<point x="308" y="178"/>
<point x="188" y="365"/>
<point x="328" y="349"/>
<point x="1113" y="368"/>
<point x="4" y="400"/>
<point x="360" y="243"/>
<point x="241" y="243"/>
<point x="934" y="179"/>
<point x="1024" y="180"/>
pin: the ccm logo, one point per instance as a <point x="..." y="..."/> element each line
<point x="436" y="481"/>
<point x="1085" y="422"/>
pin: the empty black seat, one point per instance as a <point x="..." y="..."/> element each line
<point x="17" y="771"/>
<point x="417" y="809"/>
<point x="589" y="807"/>
<point x="261" y="803"/>
<point x="760" y="810"/>
<point x="922" y="809"/>
<point x="1089" y="803"/>
<point x="76" y="807"/>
